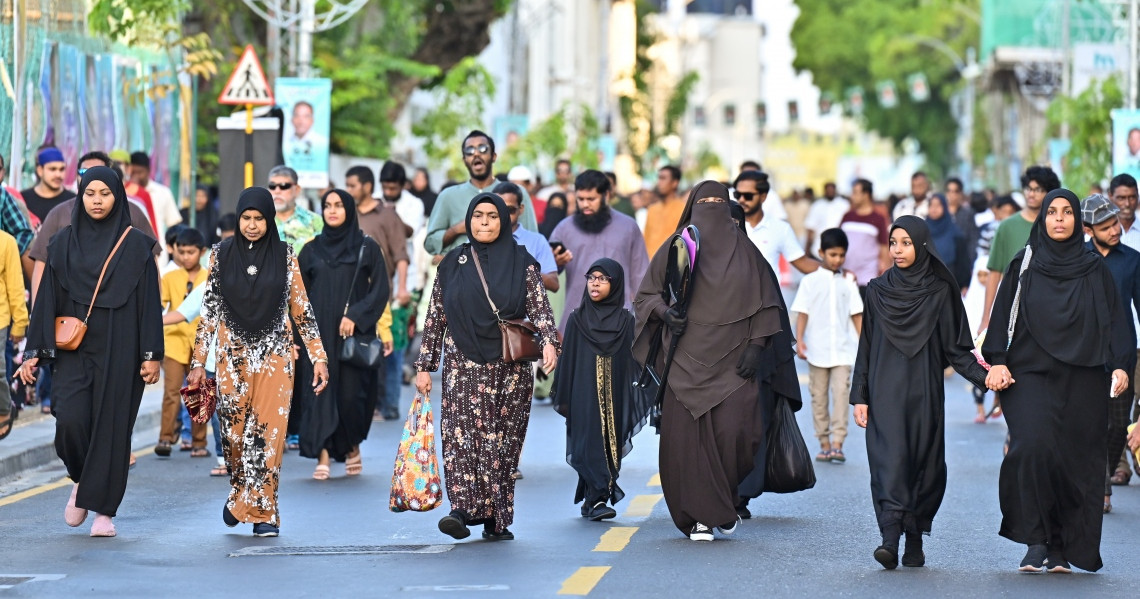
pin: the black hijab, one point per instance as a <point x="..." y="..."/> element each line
<point x="90" y="241"/>
<point x="252" y="274"/>
<point x="340" y="245"/>
<point x="553" y="215"/>
<point x="944" y="231"/>
<point x="206" y="220"/>
<point x="604" y="323"/>
<point x="1063" y="293"/>
<point x="472" y="324"/>
<point x="908" y="301"/>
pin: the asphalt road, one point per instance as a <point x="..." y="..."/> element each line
<point x="339" y="539"/>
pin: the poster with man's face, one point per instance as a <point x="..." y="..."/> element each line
<point x="308" y="116"/>
<point x="1126" y="142"/>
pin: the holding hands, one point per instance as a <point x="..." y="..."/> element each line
<point x="999" y="378"/>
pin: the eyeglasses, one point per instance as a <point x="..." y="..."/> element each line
<point x="281" y="186"/>
<point x="1034" y="189"/>
<point x="473" y="150"/>
<point x="744" y="195"/>
<point x="591" y="278"/>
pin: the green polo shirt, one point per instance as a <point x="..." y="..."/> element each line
<point x="451" y="209"/>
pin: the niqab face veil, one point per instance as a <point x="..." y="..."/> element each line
<point x="604" y="323"/>
<point x="471" y="323"/>
<point x="340" y="244"/>
<point x="908" y="301"/>
<point x="1063" y="296"/>
<point x="253" y="274"/>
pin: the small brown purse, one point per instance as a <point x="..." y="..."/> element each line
<point x="69" y="330"/>
<point x="520" y="338"/>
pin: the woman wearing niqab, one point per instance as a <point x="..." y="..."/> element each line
<point x="254" y="297"/>
<point x="346" y="279"/>
<point x="711" y="426"/>
<point x="97" y="388"/>
<point x="914" y="326"/>
<point x="594" y="389"/>
<point x="1069" y="341"/>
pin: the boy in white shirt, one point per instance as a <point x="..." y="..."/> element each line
<point x="827" y="329"/>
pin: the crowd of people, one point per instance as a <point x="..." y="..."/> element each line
<point x="292" y="297"/>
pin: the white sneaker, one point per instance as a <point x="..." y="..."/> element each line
<point x="728" y="530"/>
<point x="701" y="532"/>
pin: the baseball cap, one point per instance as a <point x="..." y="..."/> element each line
<point x="520" y="173"/>
<point x="1096" y="209"/>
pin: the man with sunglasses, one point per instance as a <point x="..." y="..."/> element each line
<point x="446" y="227"/>
<point x="296" y="224"/>
<point x="772" y="236"/>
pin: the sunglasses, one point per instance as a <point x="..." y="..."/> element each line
<point x="592" y="278"/>
<point x="473" y="150"/>
<point x="80" y="172"/>
<point x="744" y="195"/>
<point x="281" y="186"/>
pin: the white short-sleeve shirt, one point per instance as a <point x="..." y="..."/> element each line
<point x="774" y="237"/>
<point x="825" y="214"/>
<point x="829" y="299"/>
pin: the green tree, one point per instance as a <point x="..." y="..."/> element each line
<point x="847" y="43"/>
<point x="548" y="141"/>
<point x="1089" y="159"/>
<point x="461" y="101"/>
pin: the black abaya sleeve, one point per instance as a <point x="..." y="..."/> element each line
<point x="367" y="310"/>
<point x="564" y="375"/>
<point x="41" y="327"/>
<point x="994" y="348"/>
<point x="150" y="315"/>
<point x="958" y="352"/>
<point x="860" y="374"/>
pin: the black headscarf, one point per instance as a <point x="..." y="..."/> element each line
<point x="944" y="231"/>
<point x="470" y="321"/>
<point x="604" y="323"/>
<point x="553" y="215"/>
<point x="340" y="244"/>
<point x="206" y="220"/>
<point x="89" y="243"/>
<point x="252" y="274"/>
<point x="908" y="301"/>
<point x="1063" y="294"/>
<point x="737" y="213"/>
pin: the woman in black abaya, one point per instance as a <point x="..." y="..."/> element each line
<point x="1069" y="343"/>
<point x="594" y="389"/>
<point x="334" y="425"/>
<point x="914" y="326"/>
<point x="97" y="387"/>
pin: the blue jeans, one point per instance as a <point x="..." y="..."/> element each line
<point x="393" y="379"/>
<point x="215" y="426"/>
<point x="43" y="385"/>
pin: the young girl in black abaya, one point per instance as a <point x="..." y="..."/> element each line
<point x="1059" y="305"/>
<point x="914" y="327"/>
<point x="594" y="389"/>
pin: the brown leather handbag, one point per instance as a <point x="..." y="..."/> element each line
<point x="69" y="330"/>
<point x="520" y="338"/>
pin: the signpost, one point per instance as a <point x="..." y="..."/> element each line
<point x="248" y="86"/>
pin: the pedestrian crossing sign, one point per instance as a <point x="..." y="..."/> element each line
<point x="247" y="84"/>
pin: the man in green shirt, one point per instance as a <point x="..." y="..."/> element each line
<point x="1013" y="233"/>
<point x="296" y="224"/>
<point x="446" y="228"/>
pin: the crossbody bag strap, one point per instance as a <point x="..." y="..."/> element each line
<point x="352" y="285"/>
<point x="103" y="272"/>
<point x="483" y="280"/>
<point x="1017" y="297"/>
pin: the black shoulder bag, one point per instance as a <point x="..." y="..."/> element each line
<point x="361" y="351"/>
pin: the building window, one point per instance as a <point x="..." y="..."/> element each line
<point x="729" y="115"/>
<point x="793" y="112"/>
<point x="699" y="118"/>
<point x="761" y="114"/>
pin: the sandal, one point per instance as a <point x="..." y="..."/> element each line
<point x="321" y="472"/>
<point x="353" y="466"/>
<point x="824" y="455"/>
<point x="186" y="446"/>
<point x="220" y="470"/>
<point x="837" y="456"/>
<point x="199" y="452"/>
<point x="9" y="424"/>
<point x="162" y="450"/>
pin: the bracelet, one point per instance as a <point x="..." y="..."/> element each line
<point x="321" y="361"/>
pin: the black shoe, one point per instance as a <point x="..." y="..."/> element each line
<point x="887" y="556"/>
<point x="585" y="509"/>
<point x="162" y="450"/>
<point x="264" y="529"/>
<point x="601" y="511"/>
<point x="489" y="533"/>
<point x="742" y="510"/>
<point x="229" y="518"/>
<point x="454" y="525"/>
<point x="913" y="557"/>
<point x="700" y="532"/>
<point x="1056" y="562"/>
<point x="1034" y="561"/>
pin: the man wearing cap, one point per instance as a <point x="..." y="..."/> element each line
<point x="48" y="192"/>
<point x="1102" y="225"/>
<point x="523" y="177"/>
<point x="166" y="212"/>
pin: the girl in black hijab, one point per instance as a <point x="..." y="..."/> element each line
<point x="914" y="326"/>
<point x="98" y="386"/>
<point x="486" y="401"/>
<point x="1069" y="343"/>
<point x="253" y="288"/>
<point x="594" y="389"/>
<point x="336" y="425"/>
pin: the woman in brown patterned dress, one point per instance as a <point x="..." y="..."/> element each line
<point x="486" y="401"/>
<point x="254" y="286"/>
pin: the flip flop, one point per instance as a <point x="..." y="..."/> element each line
<point x="199" y="452"/>
<point x="354" y="465"/>
<point x="837" y="456"/>
<point x="219" y="470"/>
<point x="10" y="423"/>
<point x="823" y="456"/>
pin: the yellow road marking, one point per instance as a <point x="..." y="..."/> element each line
<point x="22" y="495"/>
<point x="654" y="481"/>
<point x="583" y="581"/>
<point x="642" y="505"/>
<point x="616" y="538"/>
<point x="144" y="451"/>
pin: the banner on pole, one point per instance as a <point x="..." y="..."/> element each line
<point x="307" y="104"/>
<point x="888" y="96"/>
<point x="919" y="88"/>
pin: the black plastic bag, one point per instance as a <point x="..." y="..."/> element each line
<point x="789" y="464"/>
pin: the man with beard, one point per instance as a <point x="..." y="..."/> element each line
<point x="446" y="228"/>
<point x="48" y="192"/>
<point x="594" y="232"/>
<point x="772" y="236"/>
<point x="916" y="203"/>
<point x="296" y="224"/>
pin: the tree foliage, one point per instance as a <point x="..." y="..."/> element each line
<point x="847" y="43"/>
<point x="461" y="102"/>
<point x="1088" y="116"/>
<point x="548" y="141"/>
